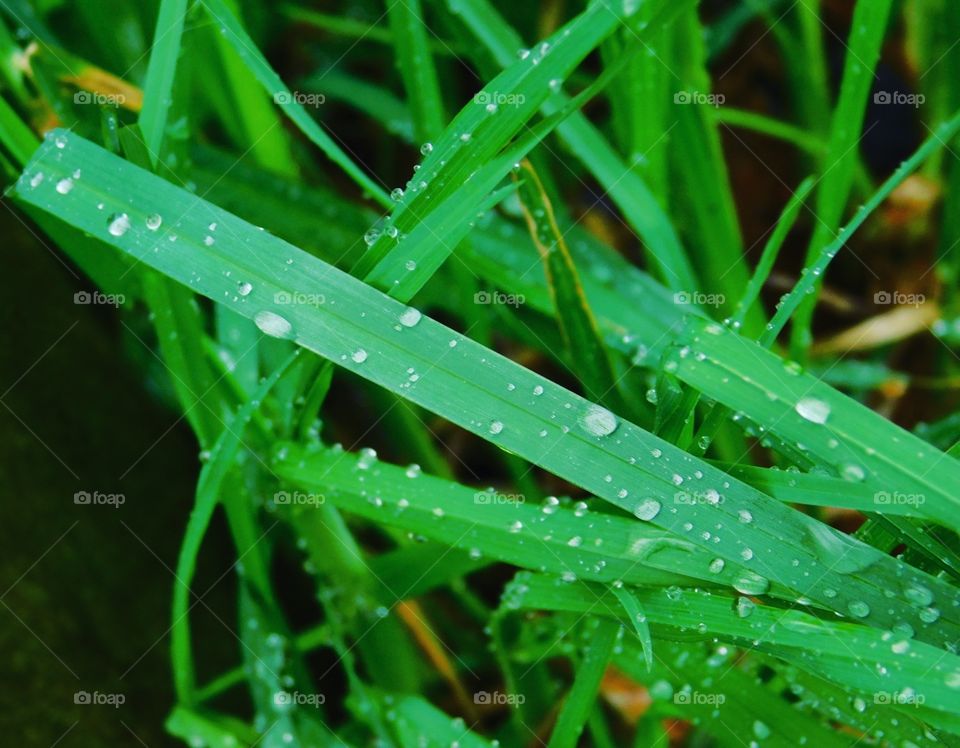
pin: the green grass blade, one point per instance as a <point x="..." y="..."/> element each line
<point x="380" y="339"/>
<point x="415" y="60"/>
<point x="208" y="496"/>
<point x="579" y="701"/>
<point x="868" y="28"/>
<point x="161" y="71"/>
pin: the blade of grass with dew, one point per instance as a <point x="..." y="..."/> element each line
<point x="208" y="496"/>
<point x="823" y="490"/>
<point x="792" y="302"/>
<point x="502" y="527"/>
<point x="178" y="325"/>
<point x="161" y="71"/>
<point x="868" y="28"/>
<point x="574" y="316"/>
<point x="244" y="47"/>
<point x="861" y="658"/>
<point x="418" y="722"/>
<point x="854" y="441"/>
<point x="209" y="728"/>
<point x="467" y="158"/>
<point x="576" y="706"/>
<point x="415" y="62"/>
<point x="638" y="619"/>
<point x="718" y="414"/>
<point x="631" y="194"/>
<point x="464" y="382"/>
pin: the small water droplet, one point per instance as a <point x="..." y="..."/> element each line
<point x="153" y="221"/>
<point x="359" y="356"/>
<point x="599" y="421"/>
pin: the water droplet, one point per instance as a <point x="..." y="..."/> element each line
<point x="745" y="607"/>
<point x="599" y="421"/>
<point x="359" y="356"/>
<point x="918" y="595"/>
<point x="244" y="288"/>
<point x="813" y="410"/>
<point x="272" y="324"/>
<point x="750" y="583"/>
<point x="64" y="186"/>
<point x="745" y="516"/>
<point x="550" y="505"/>
<point x="647" y="509"/>
<point x="858" y="609"/>
<point x="716" y="566"/>
<point x="410" y="317"/>
<point x="118" y="224"/>
<point x="396" y="194"/>
<point x="426" y="149"/>
<point x="413" y="471"/>
<point x="760" y="730"/>
<point x="538" y="390"/>
<point x="153" y="221"/>
<point x="929" y="615"/>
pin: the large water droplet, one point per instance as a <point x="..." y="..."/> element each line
<point x="272" y="324"/>
<point x="64" y="186"/>
<point x="359" y="356"/>
<point x="813" y="410"/>
<point x="599" y="421"/>
<point x="647" y="509"/>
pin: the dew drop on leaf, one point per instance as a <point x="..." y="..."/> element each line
<point x="599" y="421"/>
<point x="858" y="609"/>
<point x="118" y="224"/>
<point x="409" y="317"/>
<point x="272" y="324"/>
<point x="647" y="509"/>
<point x="813" y="410"/>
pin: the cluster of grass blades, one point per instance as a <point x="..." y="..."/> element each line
<point x="614" y="503"/>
